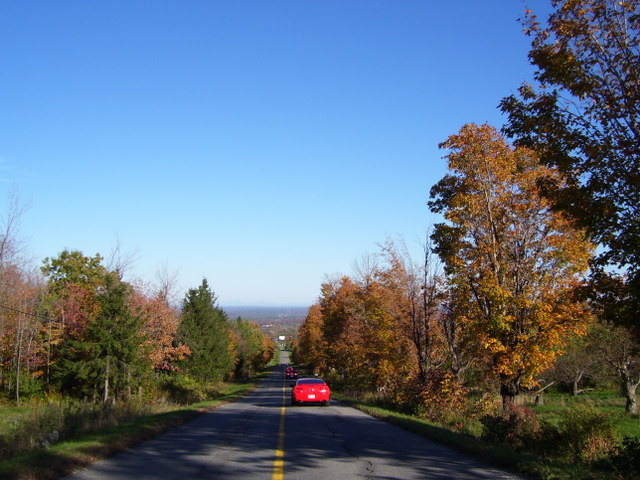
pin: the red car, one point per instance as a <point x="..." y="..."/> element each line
<point x="310" y="390"/>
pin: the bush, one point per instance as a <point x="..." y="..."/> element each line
<point x="402" y="394"/>
<point x="29" y="385"/>
<point x="488" y="404"/>
<point x="183" y="390"/>
<point x="624" y="460"/>
<point x="587" y="434"/>
<point x="443" y="394"/>
<point x="518" y="429"/>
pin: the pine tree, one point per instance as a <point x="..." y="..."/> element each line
<point x="109" y="361"/>
<point x="204" y="329"/>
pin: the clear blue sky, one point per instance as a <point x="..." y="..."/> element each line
<point x="260" y="144"/>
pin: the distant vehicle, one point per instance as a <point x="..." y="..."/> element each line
<point x="290" y="373"/>
<point x="310" y="390"/>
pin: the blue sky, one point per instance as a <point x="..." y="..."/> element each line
<point x="263" y="145"/>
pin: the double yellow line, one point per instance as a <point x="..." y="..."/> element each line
<point x="278" y="462"/>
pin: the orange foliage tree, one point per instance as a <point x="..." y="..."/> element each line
<point x="21" y="354"/>
<point x="160" y="323"/>
<point x="309" y="344"/>
<point x="363" y="330"/>
<point x="514" y="262"/>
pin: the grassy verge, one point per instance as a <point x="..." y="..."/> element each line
<point x="529" y="465"/>
<point x="63" y="458"/>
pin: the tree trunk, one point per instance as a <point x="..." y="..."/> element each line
<point x="106" y="384"/>
<point x="18" y="361"/>
<point x="629" y="388"/>
<point x="508" y="392"/>
<point x="576" y="385"/>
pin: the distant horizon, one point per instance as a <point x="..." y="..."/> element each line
<point x="265" y="306"/>
<point x="268" y="314"/>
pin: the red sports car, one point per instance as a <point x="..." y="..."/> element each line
<point x="310" y="390"/>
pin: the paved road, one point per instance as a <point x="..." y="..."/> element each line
<point x="262" y="437"/>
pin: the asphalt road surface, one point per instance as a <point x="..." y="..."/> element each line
<point x="262" y="437"/>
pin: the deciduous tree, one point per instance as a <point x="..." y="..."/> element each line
<point x="73" y="280"/>
<point x="253" y="349"/>
<point x="160" y="325"/>
<point x="583" y="117"/>
<point x="309" y="346"/>
<point x="516" y="260"/>
<point x="621" y="353"/>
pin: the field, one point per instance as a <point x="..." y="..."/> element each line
<point x="556" y="406"/>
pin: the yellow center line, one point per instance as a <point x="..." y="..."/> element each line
<point x="278" y="462"/>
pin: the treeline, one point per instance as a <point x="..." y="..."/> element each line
<point x="538" y="254"/>
<point x="76" y="328"/>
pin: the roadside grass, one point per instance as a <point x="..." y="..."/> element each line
<point x="530" y="465"/>
<point x="63" y="458"/>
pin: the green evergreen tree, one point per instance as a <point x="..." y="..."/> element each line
<point x="109" y="361"/>
<point x="204" y="329"/>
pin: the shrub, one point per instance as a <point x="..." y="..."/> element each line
<point x="488" y="404"/>
<point x="587" y="434"/>
<point x="624" y="459"/>
<point x="183" y="390"/>
<point x="551" y="440"/>
<point x="402" y="394"/>
<point x="518" y="429"/>
<point x="442" y="394"/>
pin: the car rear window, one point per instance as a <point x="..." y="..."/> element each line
<point x="310" y="380"/>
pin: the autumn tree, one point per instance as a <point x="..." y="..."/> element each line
<point x="21" y="347"/>
<point x="419" y="292"/>
<point x="380" y="332"/>
<point x="203" y="328"/>
<point x="160" y="325"/>
<point x="73" y="280"/>
<point x="309" y="344"/>
<point x="514" y="262"/>
<point x="582" y="116"/>
<point x="464" y="352"/>
<point x="362" y="341"/>
<point x="338" y="305"/>
<point x="253" y="349"/>
<point x="21" y="355"/>
<point x="611" y="300"/>
<point x="70" y="303"/>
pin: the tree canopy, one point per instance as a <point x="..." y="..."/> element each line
<point x="583" y="117"/>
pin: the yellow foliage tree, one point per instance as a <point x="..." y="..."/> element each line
<point x="514" y="261"/>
